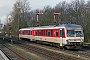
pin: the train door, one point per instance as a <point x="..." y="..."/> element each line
<point x="61" y="36"/>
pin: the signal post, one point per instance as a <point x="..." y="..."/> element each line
<point x="38" y="13"/>
<point x="55" y="18"/>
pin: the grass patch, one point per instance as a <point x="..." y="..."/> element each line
<point x="31" y="55"/>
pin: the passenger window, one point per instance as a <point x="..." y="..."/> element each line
<point x="23" y="32"/>
<point x="48" y="32"/>
<point x="29" y="32"/>
<point x="56" y="32"/>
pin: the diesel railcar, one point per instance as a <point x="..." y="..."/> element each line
<point x="66" y="35"/>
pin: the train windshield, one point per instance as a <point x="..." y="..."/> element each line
<point x="70" y="33"/>
<point x="78" y="33"/>
<point x="73" y="33"/>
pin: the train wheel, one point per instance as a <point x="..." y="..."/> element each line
<point x="37" y="41"/>
<point x="60" y="47"/>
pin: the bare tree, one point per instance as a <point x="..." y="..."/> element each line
<point x="20" y="15"/>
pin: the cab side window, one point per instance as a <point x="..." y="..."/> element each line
<point x="61" y="33"/>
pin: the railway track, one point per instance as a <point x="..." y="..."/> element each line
<point x="83" y="54"/>
<point x="11" y="54"/>
<point x="32" y="47"/>
<point x="46" y="53"/>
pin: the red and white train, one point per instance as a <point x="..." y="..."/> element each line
<point x="66" y="35"/>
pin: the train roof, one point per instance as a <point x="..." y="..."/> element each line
<point x="50" y="27"/>
<point x="70" y="25"/>
<point x="25" y="28"/>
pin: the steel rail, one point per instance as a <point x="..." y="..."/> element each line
<point x="22" y="57"/>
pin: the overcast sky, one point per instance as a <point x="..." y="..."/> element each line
<point x="7" y="5"/>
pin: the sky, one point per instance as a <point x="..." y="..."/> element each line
<point x="7" y="5"/>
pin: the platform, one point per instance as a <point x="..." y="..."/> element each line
<point x="2" y="56"/>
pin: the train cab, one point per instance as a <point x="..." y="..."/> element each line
<point x="74" y="36"/>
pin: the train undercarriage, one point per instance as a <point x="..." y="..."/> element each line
<point x="74" y="45"/>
